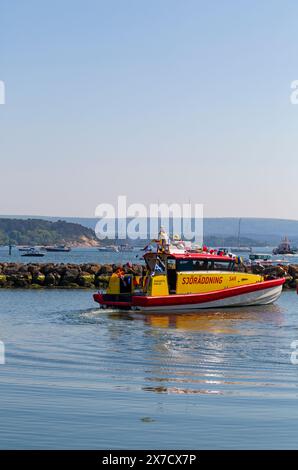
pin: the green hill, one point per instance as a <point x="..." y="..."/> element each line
<point x="44" y="232"/>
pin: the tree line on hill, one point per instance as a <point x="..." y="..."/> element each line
<point x="42" y="232"/>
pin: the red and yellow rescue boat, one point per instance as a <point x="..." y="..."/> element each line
<point x="181" y="280"/>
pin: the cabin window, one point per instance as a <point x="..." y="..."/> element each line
<point x="204" y="265"/>
<point x="192" y="265"/>
<point x="171" y="264"/>
<point x="221" y="266"/>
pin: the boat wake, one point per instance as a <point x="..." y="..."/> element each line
<point x="92" y="315"/>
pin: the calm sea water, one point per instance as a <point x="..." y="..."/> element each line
<point x="92" y="255"/>
<point x="78" y="377"/>
<point x="76" y="255"/>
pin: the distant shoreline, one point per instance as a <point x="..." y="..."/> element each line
<point x="218" y="231"/>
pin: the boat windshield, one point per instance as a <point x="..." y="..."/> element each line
<point x="205" y="265"/>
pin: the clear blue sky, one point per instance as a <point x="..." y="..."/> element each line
<point x="159" y="100"/>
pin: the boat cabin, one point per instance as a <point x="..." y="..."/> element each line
<point x="185" y="273"/>
<point x="259" y="257"/>
<point x="181" y="273"/>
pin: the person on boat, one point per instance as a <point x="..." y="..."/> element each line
<point x="178" y="243"/>
<point x="125" y="280"/>
<point x="119" y="272"/>
<point x="163" y="240"/>
<point x="129" y="270"/>
<point x="239" y="264"/>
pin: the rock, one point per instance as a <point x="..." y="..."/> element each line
<point x="60" y="269"/>
<point x="34" y="268"/>
<point x="3" y="280"/>
<point x="54" y="268"/>
<point x="257" y="269"/>
<point x="47" y="268"/>
<point x="72" y="285"/>
<point x="293" y="270"/>
<point x="12" y="268"/>
<point x="106" y="269"/>
<point x="70" y="276"/>
<point x="275" y="271"/>
<point x="20" y="280"/>
<point x="38" y="278"/>
<point x="85" y="279"/>
<point x="101" y="281"/>
<point x="91" y="268"/>
<point x="94" y="268"/>
<point x="23" y="269"/>
<point x="290" y="282"/>
<point x="52" y="279"/>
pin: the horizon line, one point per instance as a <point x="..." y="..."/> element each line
<point x="117" y="218"/>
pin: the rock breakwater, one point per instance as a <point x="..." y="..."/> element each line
<point x="50" y="275"/>
<point x="290" y="272"/>
<point x="75" y="276"/>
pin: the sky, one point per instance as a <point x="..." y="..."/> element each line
<point x="162" y="101"/>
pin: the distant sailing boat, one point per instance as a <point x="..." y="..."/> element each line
<point x="238" y="248"/>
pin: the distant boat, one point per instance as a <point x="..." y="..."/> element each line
<point x="33" y="252"/>
<point x="238" y="248"/>
<point x="108" y="249"/>
<point x="265" y="259"/>
<point x="58" y="248"/>
<point x="260" y="257"/>
<point x="24" y="248"/>
<point x="284" y="248"/>
<point x="241" y="249"/>
<point x="125" y="248"/>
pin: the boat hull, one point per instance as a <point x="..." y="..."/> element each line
<point x="33" y="255"/>
<point x="262" y="293"/>
<point x="58" y="250"/>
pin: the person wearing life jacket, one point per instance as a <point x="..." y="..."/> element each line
<point x="119" y="272"/>
<point x="125" y="280"/>
<point x="129" y="268"/>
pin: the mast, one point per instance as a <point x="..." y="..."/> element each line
<point x="239" y="228"/>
